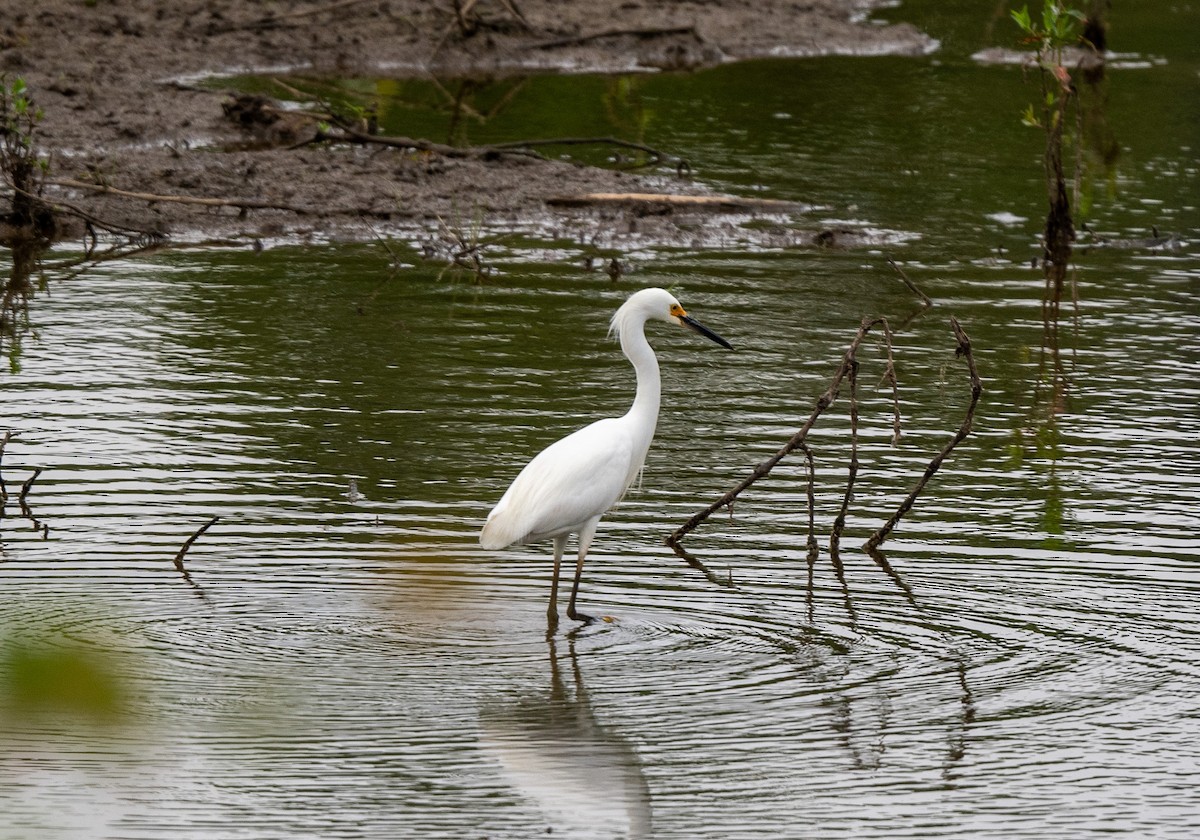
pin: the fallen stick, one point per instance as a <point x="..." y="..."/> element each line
<point x="119" y="230"/>
<point x="587" y="141"/>
<point x="963" y="349"/>
<point x="344" y="134"/>
<point x="574" y="40"/>
<point x="26" y="510"/>
<point x="240" y="203"/>
<point x="188" y="544"/>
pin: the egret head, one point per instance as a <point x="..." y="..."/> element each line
<point x="659" y="305"/>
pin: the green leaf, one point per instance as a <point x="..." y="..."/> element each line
<point x="1022" y="19"/>
<point x="1049" y="16"/>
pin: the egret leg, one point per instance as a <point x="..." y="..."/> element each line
<point x="585" y="542"/>
<point x="560" y="545"/>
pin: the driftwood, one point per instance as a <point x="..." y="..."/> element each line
<point x="593" y="141"/>
<point x="716" y="203"/>
<point x="346" y="134"/>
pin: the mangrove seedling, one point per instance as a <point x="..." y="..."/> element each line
<point x="21" y="167"/>
<point x="1058" y="28"/>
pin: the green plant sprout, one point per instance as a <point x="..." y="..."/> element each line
<point x="20" y="165"/>
<point x="1059" y="28"/>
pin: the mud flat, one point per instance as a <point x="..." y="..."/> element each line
<point x="127" y="119"/>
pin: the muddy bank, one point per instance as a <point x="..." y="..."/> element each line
<point x="122" y="110"/>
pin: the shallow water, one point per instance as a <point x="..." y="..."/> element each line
<point x="337" y="666"/>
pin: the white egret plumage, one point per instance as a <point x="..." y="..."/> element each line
<point x="572" y="483"/>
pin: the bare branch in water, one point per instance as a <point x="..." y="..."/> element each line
<point x="912" y="287"/>
<point x="26" y="487"/>
<point x="8" y="435"/>
<point x="964" y="350"/>
<point x="188" y="544"/>
<point x="811" y="544"/>
<point x="26" y="510"/>
<point x="797" y="440"/>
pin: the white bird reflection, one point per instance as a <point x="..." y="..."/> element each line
<point x="582" y="776"/>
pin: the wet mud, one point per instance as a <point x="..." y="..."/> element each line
<point x="127" y="119"/>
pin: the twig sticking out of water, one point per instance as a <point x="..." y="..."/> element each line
<point x="25" y="488"/>
<point x="798" y="439"/>
<point x="26" y="510"/>
<point x="8" y="435"/>
<point x="839" y="523"/>
<point x="188" y="544"/>
<point x="813" y="549"/>
<point x="964" y="350"/>
<point x="912" y="287"/>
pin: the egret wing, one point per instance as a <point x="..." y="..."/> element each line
<point x="569" y="482"/>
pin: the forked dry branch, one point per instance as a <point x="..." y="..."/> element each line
<point x="847" y="373"/>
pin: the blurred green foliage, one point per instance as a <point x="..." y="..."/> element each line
<point x="38" y="678"/>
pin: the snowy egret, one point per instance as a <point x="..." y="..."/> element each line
<point x="573" y="482"/>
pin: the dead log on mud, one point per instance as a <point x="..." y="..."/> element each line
<point x="713" y="203"/>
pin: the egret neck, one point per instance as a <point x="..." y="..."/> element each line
<point x="642" y="416"/>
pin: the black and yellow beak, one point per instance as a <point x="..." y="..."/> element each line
<point x="695" y="326"/>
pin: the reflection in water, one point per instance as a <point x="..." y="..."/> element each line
<point x="14" y="303"/>
<point x="552" y="750"/>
